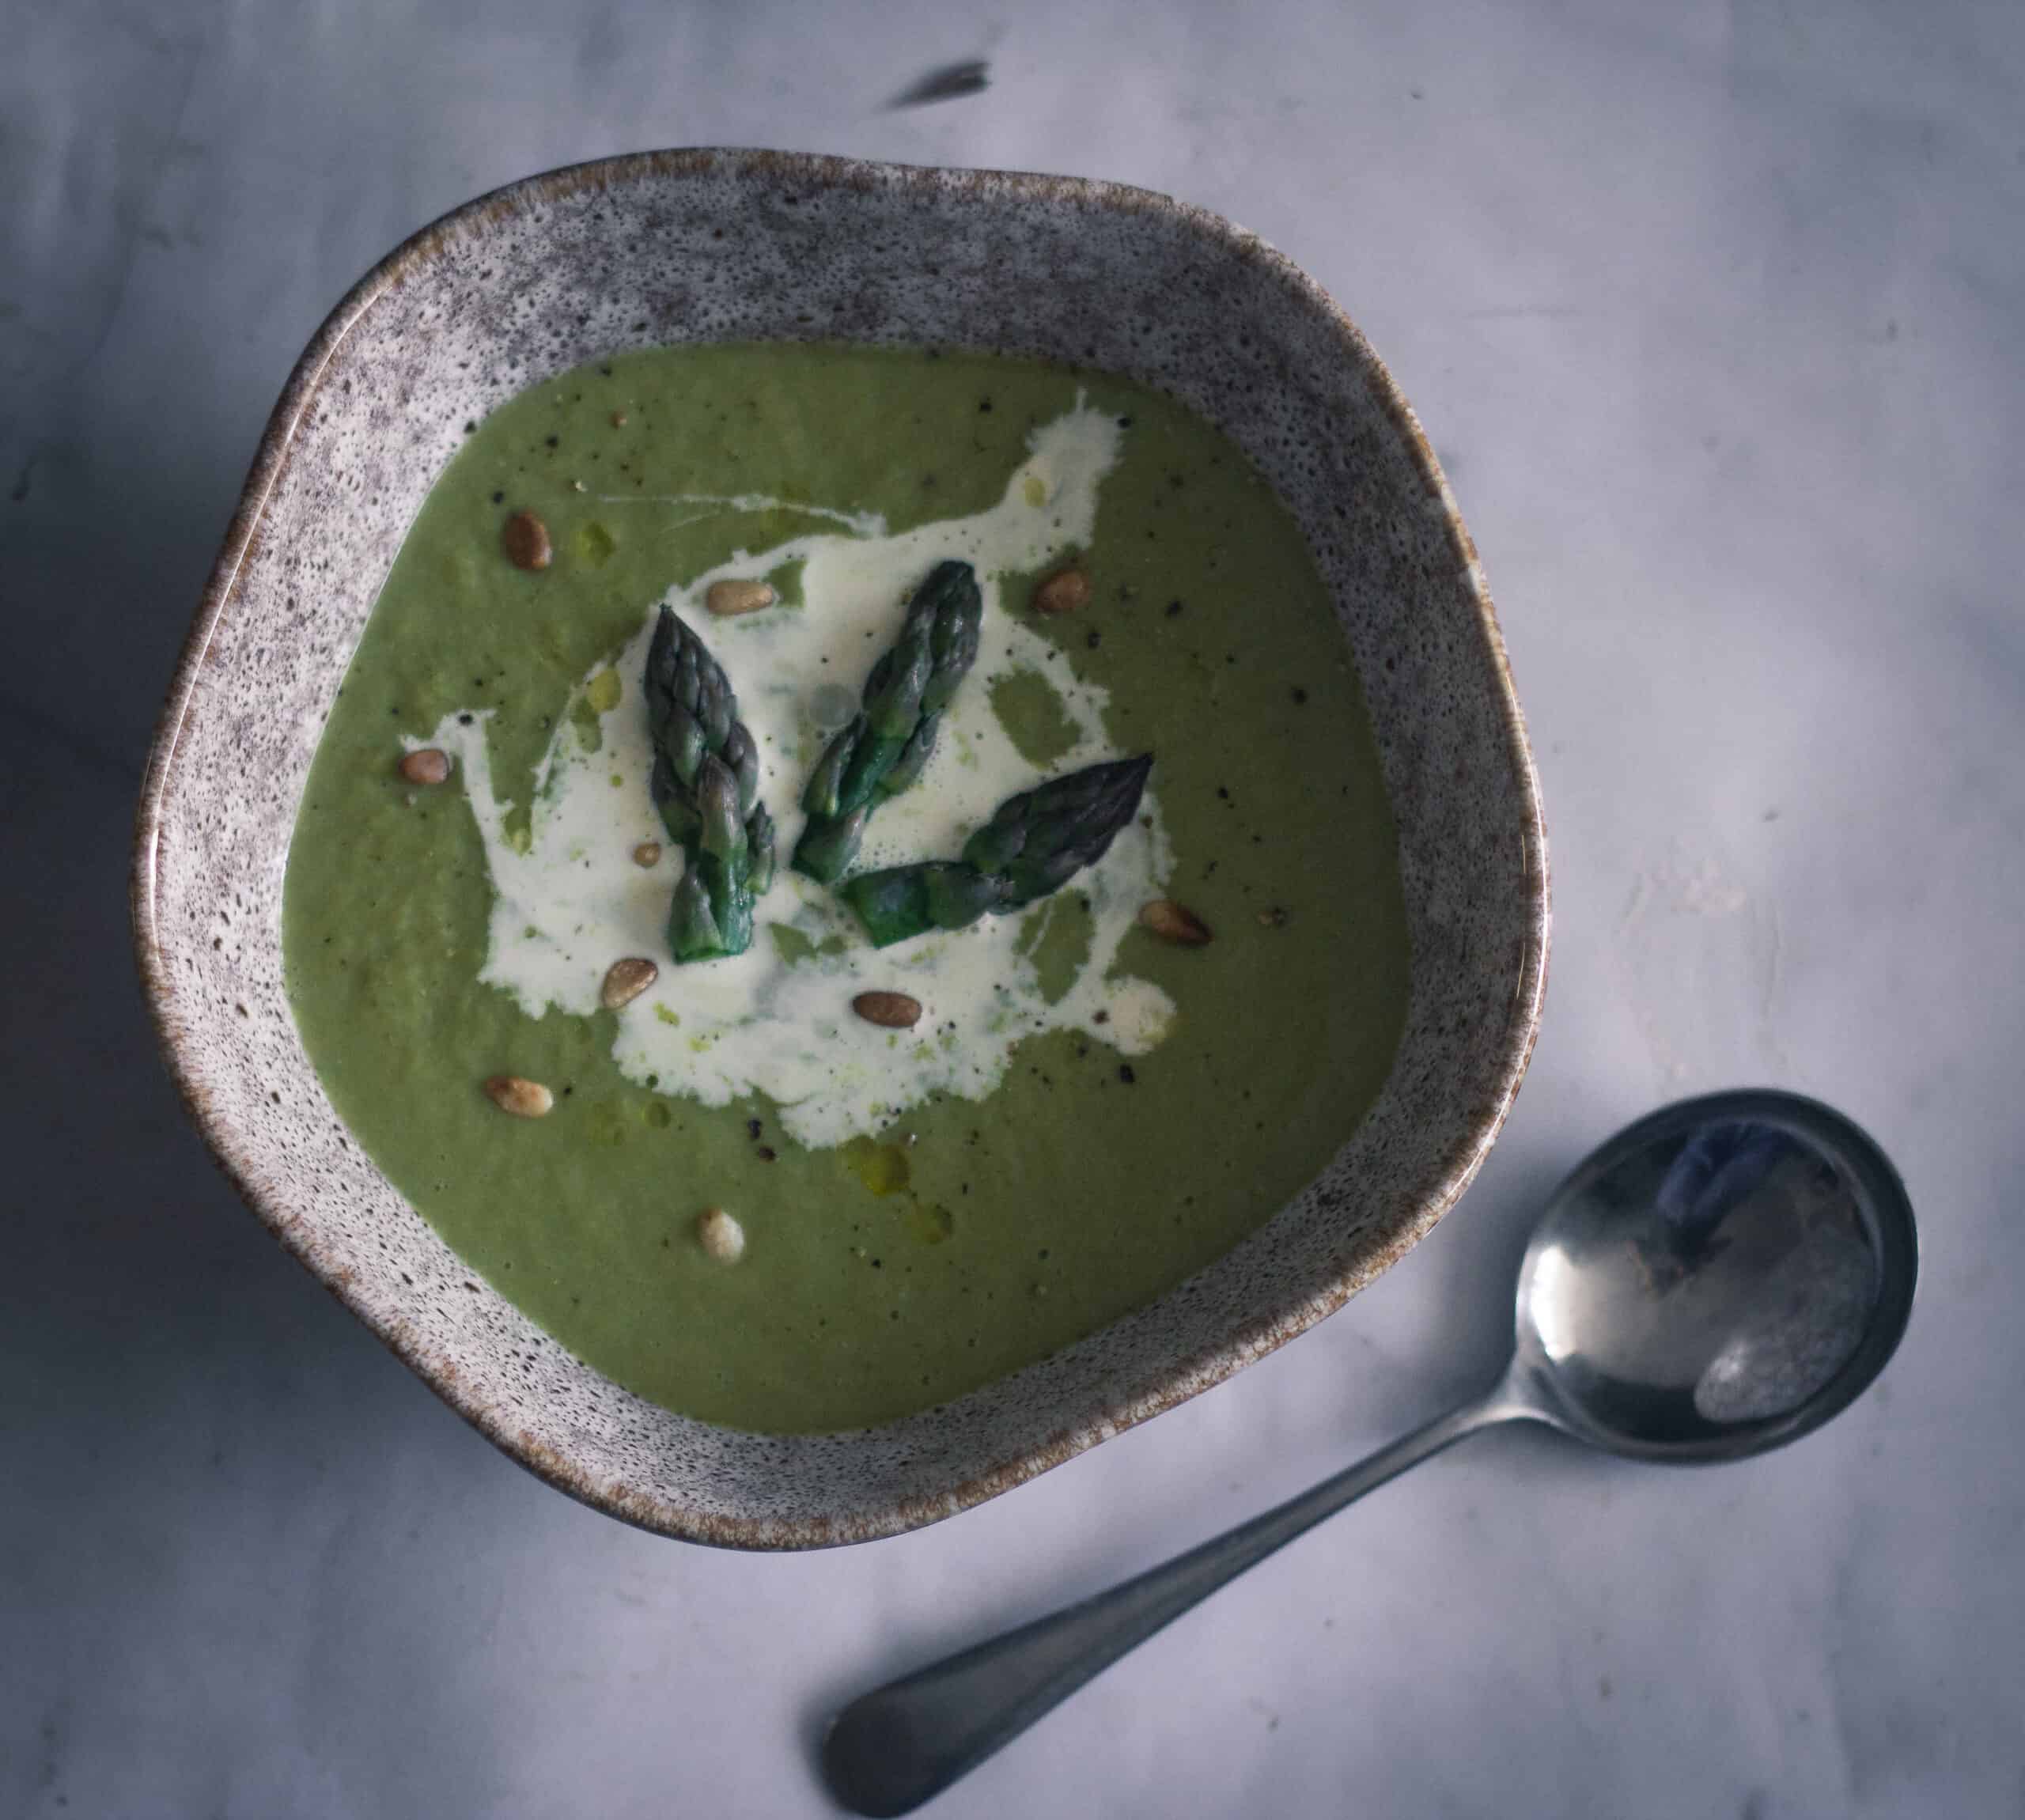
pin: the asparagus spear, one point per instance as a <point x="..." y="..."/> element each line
<point x="705" y="783"/>
<point x="1034" y="844"/>
<point x="883" y="749"/>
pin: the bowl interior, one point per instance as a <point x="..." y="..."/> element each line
<point x="679" y="247"/>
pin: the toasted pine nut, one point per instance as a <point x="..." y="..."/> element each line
<point x="524" y="1098"/>
<point x="721" y="1235"/>
<point x="1174" y="923"/>
<point x="1063" y="592"/>
<point x="728" y="599"/>
<point x="624" y="981"/>
<point x="890" y="1010"/>
<point x="429" y="765"/>
<point x="526" y="540"/>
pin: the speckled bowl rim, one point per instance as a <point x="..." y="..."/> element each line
<point x="1189" y="1375"/>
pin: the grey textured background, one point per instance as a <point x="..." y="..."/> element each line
<point x="1714" y="315"/>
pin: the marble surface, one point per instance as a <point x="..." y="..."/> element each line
<point x="1713" y="313"/>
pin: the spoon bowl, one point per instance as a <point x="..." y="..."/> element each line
<point x="1718" y="1279"/>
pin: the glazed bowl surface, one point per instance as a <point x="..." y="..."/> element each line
<point x="674" y="248"/>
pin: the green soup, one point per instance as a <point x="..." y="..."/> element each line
<point x="1086" y="1115"/>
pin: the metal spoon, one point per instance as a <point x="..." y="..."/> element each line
<point x="1719" y="1279"/>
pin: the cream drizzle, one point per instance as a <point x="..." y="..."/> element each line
<point x="569" y="899"/>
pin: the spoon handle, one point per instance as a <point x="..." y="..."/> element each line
<point x="890" y="1749"/>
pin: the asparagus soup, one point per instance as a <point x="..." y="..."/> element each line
<point x="834" y="872"/>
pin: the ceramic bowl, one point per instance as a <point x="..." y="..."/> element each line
<point x="703" y="246"/>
